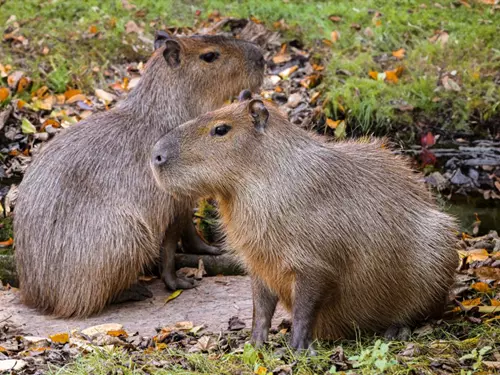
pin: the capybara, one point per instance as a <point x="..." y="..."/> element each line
<point x="342" y="233"/>
<point x="89" y="215"/>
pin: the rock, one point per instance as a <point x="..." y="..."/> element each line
<point x="294" y="100"/>
<point x="102" y="328"/>
<point x="235" y="324"/>
<point x="35" y="341"/>
<point x="483" y="245"/>
<point x="271" y="81"/>
<point x="437" y="180"/>
<point x="12" y="365"/>
<point x="459" y="178"/>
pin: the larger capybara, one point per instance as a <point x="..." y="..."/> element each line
<point x="89" y="215"/>
<point x="344" y="234"/>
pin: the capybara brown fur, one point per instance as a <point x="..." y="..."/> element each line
<point x="344" y="234"/>
<point x="89" y="215"/>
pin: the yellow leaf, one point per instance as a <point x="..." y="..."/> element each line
<point x="391" y="76"/>
<point x="161" y="346"/>
<point x="173" y="296"/>
<point x="335" y="36"/>
<point x="332" y="123"/>
<point x="7" y="243"/>
<point x="477" y="255"/>
<point x="373" y="74"/>
<point x="93" y="29"/>
<point x="481" y="287"/>
<point x="22" y="84"/>
<point x="471" y="302"/>
<point x="495" y="302"/>
<point x="260" y="370"/>
<point x="399" y="54"/>
<point x="70" y="93"/>
<point x="117" y="333"/>
<point x="2" y="349"/>
<point x="286" y="73"/>
<point x="60" y="338"/>
<point x="4" y="93"/>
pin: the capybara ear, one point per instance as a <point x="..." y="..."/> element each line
<point x="172" y="53"/>
<point x="160" y="38"/>
<point x="245" y="95"/>
<point x="259" y="114"/>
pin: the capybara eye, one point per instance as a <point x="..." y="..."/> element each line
<point x="221" y="130"/>
<point x="210" y="56"/>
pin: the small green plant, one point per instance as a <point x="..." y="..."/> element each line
<point x="376" y="358"/>
<point x="477" y="357"/>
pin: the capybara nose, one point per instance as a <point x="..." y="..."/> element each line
<point x="165" y="150"/>
<point x="159" y="159"/>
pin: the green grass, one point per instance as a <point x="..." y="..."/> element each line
<point x="463" y="346"/>
<point x="77" y="58"/>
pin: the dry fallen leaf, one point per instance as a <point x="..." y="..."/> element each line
<point x="495" y="302"/>
<point x="131" y="27"/>
<point x="449" y="84"/>
<point x="286" y="73"/>
<point x="67" y="95"/>
<point x="206" y="343"/>
<point x="106" y="97"/>
<point x="117" y="333"/>
<point x="481" y="287"/>
<point x="487" y="273"/>
<point x="441" y="37"/>
<point x="332" y="123"/>
<point x="4" y="93"/>
<point x="60" y="338"/>
<point x="399" y="54"/>
<point x="477" y="255"/>
<point x="173" y="296"/>
<point x="7" y="243"/>
<point x="335" y="36"/>
<point x="471" y="302"/>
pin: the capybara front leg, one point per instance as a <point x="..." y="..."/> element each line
<point x="168" y="274"/>
<point x="307" y="302"/>
<point x="264" y="304"/>
<point x="191" y="241"/>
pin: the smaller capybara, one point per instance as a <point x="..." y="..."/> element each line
<point x="343" y="234"/>
<point x="89" y="216"/>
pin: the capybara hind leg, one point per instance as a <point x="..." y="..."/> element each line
<point x="136" y="292"/>
<point x="399" y="332"/>
<point x="191" y="241"/>
<point x="264" y="304"/>
<point x="168" y="274"/>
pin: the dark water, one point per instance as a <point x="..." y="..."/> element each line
<point x="466" y="208"/>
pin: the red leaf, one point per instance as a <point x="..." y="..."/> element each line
<point x="427" y="140"/>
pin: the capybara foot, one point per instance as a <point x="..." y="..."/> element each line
<point x="398" y="332"/>
<point x="174" y="282"/>
<point x="258" y="338"/>
<point x="303" y="345"/>
<point x="136" y="292"/>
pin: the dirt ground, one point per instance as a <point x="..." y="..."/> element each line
<point x="212" y="303"/>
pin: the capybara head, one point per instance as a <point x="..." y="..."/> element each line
<point x="209" y="67"/>
<point x="218" y="147"/>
